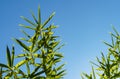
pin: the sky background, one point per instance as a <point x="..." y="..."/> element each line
<point x="83" y="25"/>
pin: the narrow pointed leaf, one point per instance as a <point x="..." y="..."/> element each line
<point x="93" y="73"/>
<point x="60" y="67"/>
<point x="112" y="40"/>
<point x="1" y="73"/>
<point x="29" y="27"/>
<point x="59" y="47"/>
<point x="58" y="55"/>
<point x="38" y="73"/>
<point x="34" y="17"/>
<point x="48" y="19"/>
<point x="28" y="21"/>
<point x="8" y="57"/>
<point x="22" y="44"/>
<point x="25" y="34"/>
<point x="61" y="72"/>
<point x="13" y="55"/>
<point x="21" y="63"/>
<point x="36" y="69"/>
<point x="28" y="68"/>
<point x="107" y="44"/>
<point x="21" y="72"/>
<point x="22" y="55"/>
<point x="37" y="55"/>
<point x="114" y="35"/>
<point x="115" y="31"/>
<point x="39" y="16"/>
<point x="5" y="66"/>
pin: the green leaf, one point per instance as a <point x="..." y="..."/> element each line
<point x="29" y="27"/>
<point x="21" y="72"/>
<point x="34" y="17"/>
<point x="93" y="73"/>
<point x="58" y="55"/>
<point x="22" y="44"/>
<point x="25" y="34"/>
<point x="59" y="47"/>
<point x="115" y="31"/>
<point x="8" y="76"/>
<point x="22" y="55"/>
<point x="107" y="44"/>
<point x="8" y="57"/>
<point x="28" y="68"/>
<point x="56" y="60"/>
<point x="36" y="69"/>
<point x="1" y="73"/>
<point x="114" y="35"/>
<point x="13" y="55"/>
<point x="39" y="16"/>
<point x="61" y="72"/>
<point x="60" y="67"/>
<point x="86" y="75"/>
<point x="37" y="55"/>
<point x="48" y="19"/>
<point x="5" y="66"/>
<point x="21" y="63"/>
<point x="38" y="73"/>
<point x="54" y="44"/>
<point x="28" y="21"/>
<point x="112" y="40"/>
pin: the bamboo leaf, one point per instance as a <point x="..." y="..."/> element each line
<point x="37" y="55"/>
<point x="28" y="21"/>
<point x="1" y="72"/>
<point x="93" y="73"/>
<point x="112" y="40"/>
<point x="60" y="67"/>
<point x="22" y="44"/>
<point x="114" y="35"/>
<point x="28" y="27"/>
<point x="28" y="68"/>
<point x="115" y="31"/>
<point x="58" y="55"/>
<point x="21" y="72"/>
<point x="34" y="17"/>
<point x="13" y="55"/>
<point x="36" y="69"/>
<point x="48" y="19"/>
<point x="107" y="44"/>
<point x="57" y="60"/>
<point x="8" y="57"/>
<point x="21" y="63"/>
<point x="5" y="66"/>
<point x="39" y="16"/>
<point x="25" y="34"/>
<point x="38" y="73"/>
<point x="22" y="55"/>
<point x="59" y="47"/>
<point x="86" y="75"/>
<point x="61" y="72"/>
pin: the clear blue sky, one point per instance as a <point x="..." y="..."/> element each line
<point x="83" y="24"/>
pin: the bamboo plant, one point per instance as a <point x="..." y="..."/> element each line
<point x="108" y="67"/>
<point x="40" y="53"/>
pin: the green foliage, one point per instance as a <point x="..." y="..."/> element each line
<point x="108" y="67"/>
<point x="40" y="53"/>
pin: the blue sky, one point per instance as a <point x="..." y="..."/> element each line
<point x="83" y="25"/>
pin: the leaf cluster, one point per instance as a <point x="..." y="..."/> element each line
<point x="40" y="53"/>
<point x="108" y="67"/>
